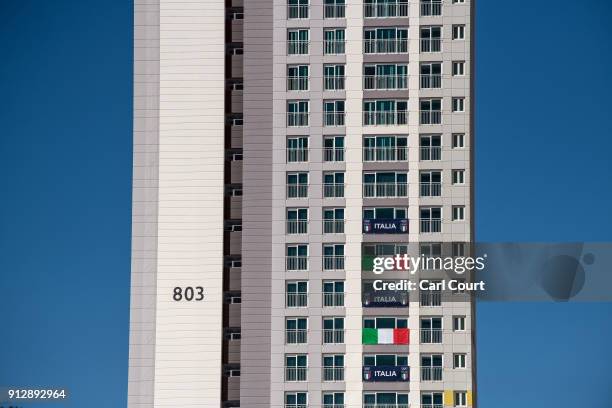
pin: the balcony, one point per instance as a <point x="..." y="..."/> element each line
<point x="334" y="47"/>
<point x="431" y="225"/>
<point x="333" y="118"/>
<point x="333" y="299"/>
<point x="431" y="153"/>
<point x="297" y="299"/>
<point x="297" y="263"/>
<point x="381" y="10"/>
<point x="385" y="46"/>
<point x="431" y="336"/>
<point x="385" y="225"/>
<point x="297" y="227"/>
<point x="432" y="189"/>
<point x="385" y="82"/>
<point x="431" y="81"/>
<point x="299" y="406"/>
<point x="297" y="155"/>
<point x="432" y="406"/>
<point x="385" y="190"/>
<point x="385" y="373"/>
<point x="333" y="336"/>
<point x="295" y="373"/>
<point x="389" y="406"/>
<point x="431" y="8"/>
<point x="333" y="190"/>
<point x="295" y="11"/>
<point x="297" y="47"/>
<point x="431" y="117"/>
<point x="333" y="226"/>
<point x="385" y="298"/>
<point x="334" y="11"/>
<point x="297" y="191"/>
<point x="333" y="373"/>
<point x="385" y="154"/>
<point x="333" y="154"/>
<point x="431" y="373"/>
<point x="385" y="118"/>
<point x="296" y="336"/>
<point x="333" y="262"/>
<point x="431" y="44"/>
<point x="431" y="299"/>
<point x="334" y="406"/>
<point x="299" y="83"/>
<point x="333" y="83"/>
<point x="297" y="119"/>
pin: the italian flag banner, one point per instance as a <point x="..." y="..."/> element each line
<point x="385" y="336"/>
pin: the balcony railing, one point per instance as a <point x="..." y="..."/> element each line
<point x="387" y="406"/>
<point x="333" y="226"/>
<point x="297" y="406"/>
<point x="334" y="11"/>
<point x="431" y="189"/>
<point x="431" y="298"/>
<point x="385" y="154"/>
<point x="333" y="373"/>
<point x="297" y="11"/>
<point x="334" y="406"/>
<point x="333" y="299"/>
<point x="297" y="154"/>
<point x="385" y="46"/>
<point x="431" y="117"/>
<point x="399" y="9"/>
<point x="297" y="191"/>
<point x="297" y="227"/>
<point x="297" y="47"/>
<point x="432" y="406"/>
<point x="333" y="262"/>
<point x="333" y="83"/>
<point x="431" y="8"/>
<point x="333" y="118"/>
<point x="333" y="336"/>
<point x="297" y="119"/>
<point x="429" y="336"/>
<point x="431" y="373"/>
<point x="431" y="81"/>
<point x="431" y="225"/>
<point x="296" y="336"/>
<point x="385" y="190"/>
<point x="297" y="263"/>
<point x="382" y="82"/>
<point x="331" y="47"/>
<point x="431" y="153"/>
<point x="297" y="83"/>
<point x="431" y="44"/>
<point x="333" y="190"/>
<point x="385" y="118"/>
<point x="295" y="373"/>
<point x="333" y="154"/>
<point x="297" y="299"/>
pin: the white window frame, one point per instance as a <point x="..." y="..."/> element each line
<point x="458" y="140"/>
<point x="459" y="68"/>
<point x="459" y="323"/>
<point x="459" y="361"/>
<point x="458" y="104"/>
<point x="458" y="31"/>
<point x="458" y="176"/>
<point x="460" y="399"/>
<point x="458" y="213"/>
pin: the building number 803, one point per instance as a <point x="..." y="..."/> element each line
<point x="188" y="293"/>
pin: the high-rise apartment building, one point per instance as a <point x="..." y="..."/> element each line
<point x="279" y="147"/>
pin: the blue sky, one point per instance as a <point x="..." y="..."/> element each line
<point x="542" y="172"/>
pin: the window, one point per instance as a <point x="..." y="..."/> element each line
<point x="458" y="104"/>
<point x="385" y="323"/>
<point x="333" y="185"/>
<point x="333" y="257"/>
<point x="333" y="293"/>
<point x="459" y="360"/>
<point x="460" y="399"/>
<point x="385" y="8"/>
<point x="431" y="147"/>
<point x="458" y="248"/>
<point x="458" y="1"/>
<point x="385" y="76"/>
<point x="431" y="39"/>
<point x="431" y="183"/>
<point x="431" y="75"/>
<point x="333" y="113"/>
<point x="333" y="330"/>
<point x="458" y="31"/>
<point x="458" y="323"/>
<point x="297" y="149"/>
<point x="232" y="333"/>
<point x="333" y="149"/>
<point x="458" y="68"/>
<point x="458" y="213"/>
<point x="385" y="184"/>
<point x="296" y="330"/>
<point x="236" y="84"/>
<point x="297" y="77"/>
<point x="431" y="400"/>
<point x="297" y="9"/>
<point x="236" y="120"/>
<point x="297" y="220"/>
<point x="236" y="50"/>
<point x="333" y="220"/>
<point x="385" y="148"/>
<point x="296" y="400"/>
<point x="296" y="366"/>
<point x="458" y="140"/>
<point x="385" y="112"/>
<point x="387" y="40"/>
<point x="297" y="185"/>
<point x="334" y="41"/>
<point x="333" y="367"/>
<point x="297" y="294"/>
<point x="334" y="9"/>
<point x="333" y="400"/>
<point x="232" y="371"/>
<point x="431" y="219"/>
<point x="385" y="330"/>
<point x="385" y="360"/>
<point x="297" y="113"/>
<point x="297" y="42"/>
<point x="237" y="15"/>
<point x="458" y="176"/>
<point x="431" y="367"/>
<point x="234" y="299"/>
<point x="385" y="213"/>
<point x="297" y="257"/>
<point x="431" y="111"/>
<point x="333" y="77"/>
<point x="431" y="297"/>
<point x="385" y="399"/>
<point x="431" y="8"/>
<point x="431" y="330"/>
